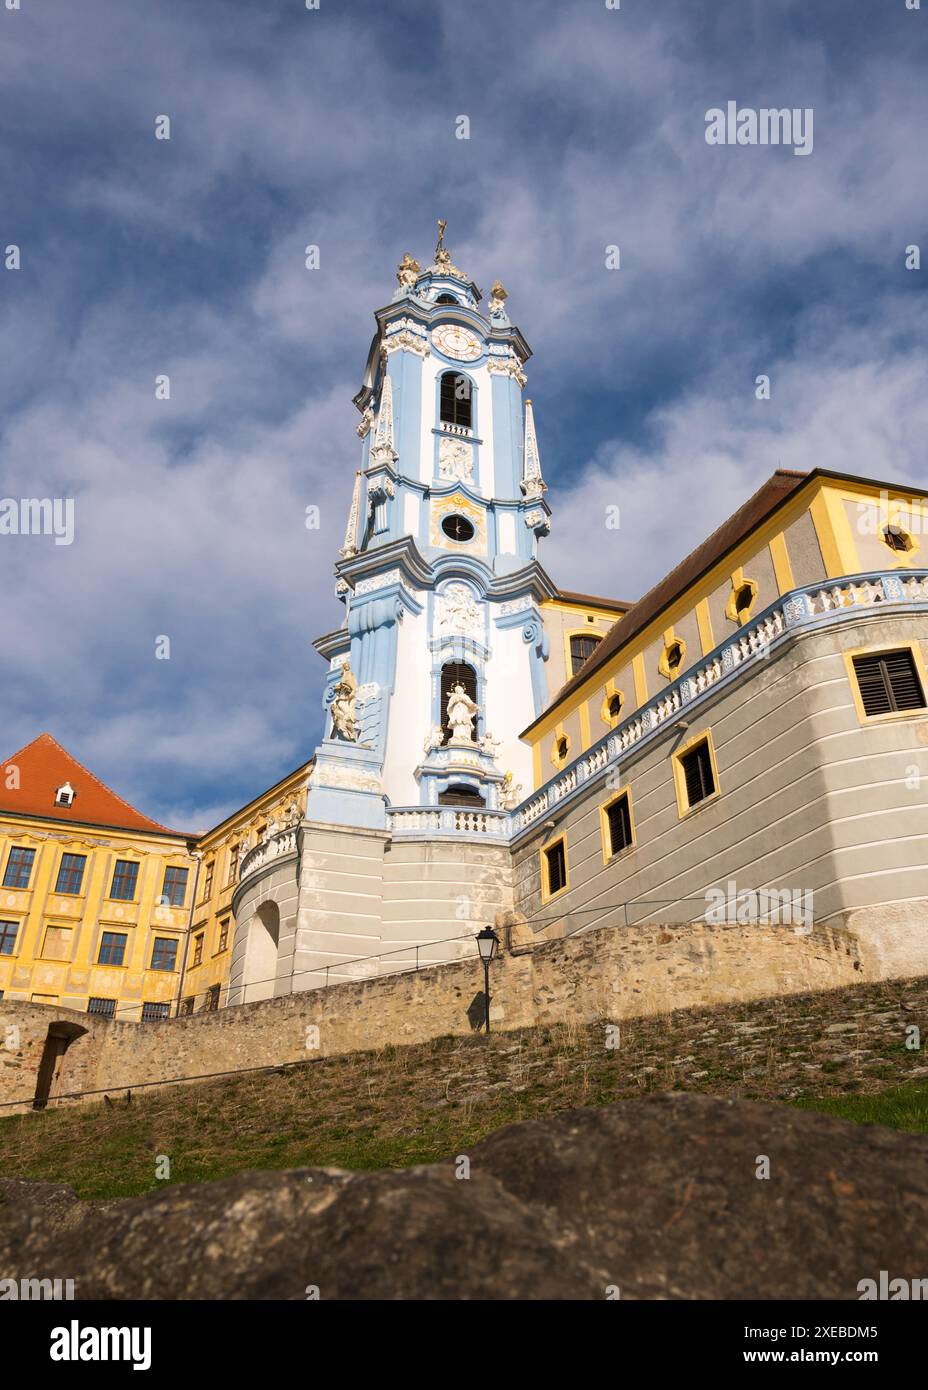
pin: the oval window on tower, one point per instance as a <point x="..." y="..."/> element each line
<point x="458" y="528"/>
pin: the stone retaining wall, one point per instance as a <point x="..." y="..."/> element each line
<point x="610" y="973"/>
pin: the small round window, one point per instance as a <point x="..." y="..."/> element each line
<point x="458" y="528"/>
<point x="615" y="706"/>
<point x="674" y="655"/>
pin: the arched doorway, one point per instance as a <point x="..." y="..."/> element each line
<point x="48" y="1084"/>
<point x="261" y="954"/>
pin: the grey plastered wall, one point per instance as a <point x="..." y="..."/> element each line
<point x="439" y="888"/>
<point x="811" y="800"/>
<point x="277" y="883"/>
<point x="804" y="551"/>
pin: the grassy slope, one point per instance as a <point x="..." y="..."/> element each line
<point x="842" y="1052"/>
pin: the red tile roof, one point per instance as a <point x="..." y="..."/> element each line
<point x="44" y="766"/>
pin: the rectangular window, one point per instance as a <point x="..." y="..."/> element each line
<point x="888" y="682"/>
<point x="154" y="1012"/>
<point x="698" y="776"/>
<point x="232" y="867"/>
<point x="164" y="953"/>
<point x="223" y="936"/>
<point x="57" y="944"/>
<point x="619" y="825"/>
<point x="8" y="931"/>
<point x="112" y="948"/>
<point x="186" y="1006"/>
<point x="71" y="873"/>
<point x="212" y="999"/>
<point x="208" y="880"/>
<point x="174" y="889"/>
<point x="125" y="877"/>
<point x="104" y="1008"/>
<point x="18" y="868"/>
<point x="197" y="950"/>
<point x="555" y="857"/>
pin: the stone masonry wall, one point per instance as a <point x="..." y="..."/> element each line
<point x="604" y="974"/>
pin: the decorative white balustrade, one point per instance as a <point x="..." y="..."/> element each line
<point x="803" y="606"/>
<point x="449" y="820"/>
<point x="282" y="842"/>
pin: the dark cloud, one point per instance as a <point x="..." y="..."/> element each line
<point x="336" y="127"/>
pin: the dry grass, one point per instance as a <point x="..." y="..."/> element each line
<point x="404" y="1105"/>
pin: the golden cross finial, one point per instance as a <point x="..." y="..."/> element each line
<point x="441" y="235"/>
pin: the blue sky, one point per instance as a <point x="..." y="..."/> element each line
<point x="336" y="127"/>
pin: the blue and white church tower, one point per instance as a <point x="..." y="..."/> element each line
<point x="438" y="664"/>
<point x="403" y="853"/>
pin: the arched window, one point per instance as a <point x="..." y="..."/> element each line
<point x="455" y="400"/>
<point x="461" y="795"/>
<point x="446" y="299"/>
<point x="582" y="646"/>
<point x="456" y="673"/>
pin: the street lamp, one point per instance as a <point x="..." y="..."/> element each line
<point x="488" y="946"/>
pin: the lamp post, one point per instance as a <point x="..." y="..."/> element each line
<point x="488" y="946"/>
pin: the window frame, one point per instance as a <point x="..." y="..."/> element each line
<point x="610" y="854"/>
<point x="101" y="999"/>
<point x="883" y="649"/>
<point x="5" y="924"/>
<point x="164" y="969"/>
<point x="547" y="895"/>
<point x="611" y="693"/>
<point x="684" y="808"/>
<point x="575" y="634"/>
<point x="112" y="964"/>
<point x="159" y="1004"/>
<point x="19" y="849"/>
<point x="122" y="897"/>
<point x="672" y="641"/>
<point x="469" y="398"/>
<point x="175" y="869"/>
<point x="70" y="892"/>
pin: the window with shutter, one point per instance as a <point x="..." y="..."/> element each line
<point x="619" y="824"/>
<point x="582" y="646"/>
<point x="888" y="682"/>
<point x="697" y="773"/>
<point x="555" y="868"/>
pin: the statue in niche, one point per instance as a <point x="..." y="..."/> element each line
<point x="344" y="700"/>
<point x="461" y="710"/>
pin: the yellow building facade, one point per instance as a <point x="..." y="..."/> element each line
<point x="106" y="911"/>
<point x="798" y="530"/>
<point x="219" y="854"/>
<point x="94" y="897"/>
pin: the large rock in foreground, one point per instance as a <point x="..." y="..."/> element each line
<point x="659" y="1198"/>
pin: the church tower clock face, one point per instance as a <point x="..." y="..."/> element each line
<point x="456" y="342"/>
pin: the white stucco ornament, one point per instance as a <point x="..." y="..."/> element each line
<point x="459" y="612"/>
<point x="455" y="460"/>
<point x="456" y="342"/>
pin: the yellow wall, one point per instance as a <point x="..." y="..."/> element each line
<point x="213" y="903"/>
<point x="78" y="921"/>
<point x="830" y="528"/>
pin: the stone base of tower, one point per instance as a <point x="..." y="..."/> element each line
<point x="353" y="903"/>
